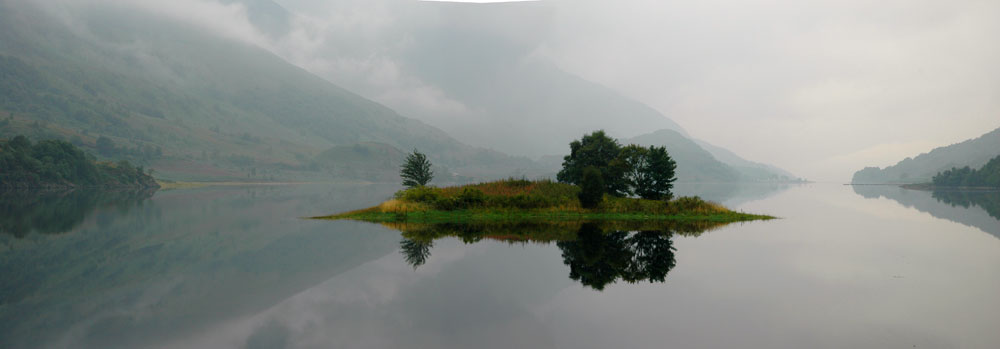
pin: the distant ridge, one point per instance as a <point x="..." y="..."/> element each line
<point x="217" y="107"/>
<point x="922" y="168"/>
<point x="694" y="164"/>
<point x="699" y="161"/>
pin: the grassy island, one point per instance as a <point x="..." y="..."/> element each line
<point x="520" y="200"/>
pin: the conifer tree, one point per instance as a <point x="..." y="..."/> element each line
<point x="416" y="171"/>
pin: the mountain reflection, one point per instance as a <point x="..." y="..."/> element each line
<point x="976" y="208"/>
<point x="597" y="253"/>
<point x="987" y="200"/>
<point x="23" y="212"/>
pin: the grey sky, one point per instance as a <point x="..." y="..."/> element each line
<point x="821" y="88"/>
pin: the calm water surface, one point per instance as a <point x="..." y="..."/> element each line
<point x="845" y="267"/>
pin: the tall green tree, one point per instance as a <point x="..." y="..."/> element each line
<point x="635" y="160"/>
<point x="416" y="170"/>
<point x="591" y="188"/>
<point x="600" y="151"/>
<point x="656" y="175"/>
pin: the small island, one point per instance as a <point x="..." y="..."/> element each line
<point x="513" y="200"/>
<point x="600" y="181"/>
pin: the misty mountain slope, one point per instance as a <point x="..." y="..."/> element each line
<point x="750" y="170"/>
<point x="920" y="169"/>
<point x="533" y="108"/>
<point x="510" y="93"/>
<point x="368" y="160"/>
<point x="465" y="69"/>
<point x="143" y="80"/>
<point x="694" y="164"/>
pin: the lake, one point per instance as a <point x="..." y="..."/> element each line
<point x="235" y="267"/>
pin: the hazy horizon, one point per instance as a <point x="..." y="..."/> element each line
<point x="821" y="89"/>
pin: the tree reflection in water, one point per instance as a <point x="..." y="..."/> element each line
<point x="416" y="252"/>
<point x="598" y="258"/>
<point x="55" y="212"/>
<point x="597" y="253"/>
<point x="988" y="200"/>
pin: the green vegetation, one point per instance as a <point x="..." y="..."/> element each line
<point x="591" y="187"/>
<point x="416" y="170"/>
<point x="518" y="200"/>
<point x="973" y="153"/>
<point x="987" y="176"/>
<point x="603" y="171"/>
<point x="204" y="117"/>
<point x="649" y="171"/>
<point x="59" y="164"/>
<point x="601" y="152"/>
<point x="646" y="172"/>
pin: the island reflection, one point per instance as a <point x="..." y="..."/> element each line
<point x="598" y="253"/>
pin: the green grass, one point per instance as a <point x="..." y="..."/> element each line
<point x="460" y="216"/>
<point x="515" y="200"/>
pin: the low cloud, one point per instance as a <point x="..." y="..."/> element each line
<point x="794" y="83"/>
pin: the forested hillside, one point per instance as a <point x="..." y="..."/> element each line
<point x="986" y="176"/>
<point x="190" y="103"/>
<point x="973" y="153"/>
<point x="59" y="164"/>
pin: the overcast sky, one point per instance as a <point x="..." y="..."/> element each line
<point x="821" y="88"/>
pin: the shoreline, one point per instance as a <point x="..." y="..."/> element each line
<point x="485" y="216"/>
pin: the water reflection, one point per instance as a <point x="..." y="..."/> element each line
<point x="129" y="270"/>
<point x="24" y="212"/>
<point x="598" y="258"/>
<point x="732" y="194"/>
<point x="987" y="200"/>
<point x="597" y="253"/>
<point x="980" y="209"/>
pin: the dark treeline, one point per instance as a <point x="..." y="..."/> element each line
<point x="600" y="162"/>
<point x="60" y="164"/>
<point x="987" y="176"/>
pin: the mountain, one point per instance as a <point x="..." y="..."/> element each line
<point x="922" y="168"/>
<point x="464" y="69"/>
<point x="506" y="96"/>
<point x="511" y="92"/>
<point x="215" y="105"/>
<point x="195" y="103"/>
<point x="694" y="164"/>
<point x="749" y="170"/>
